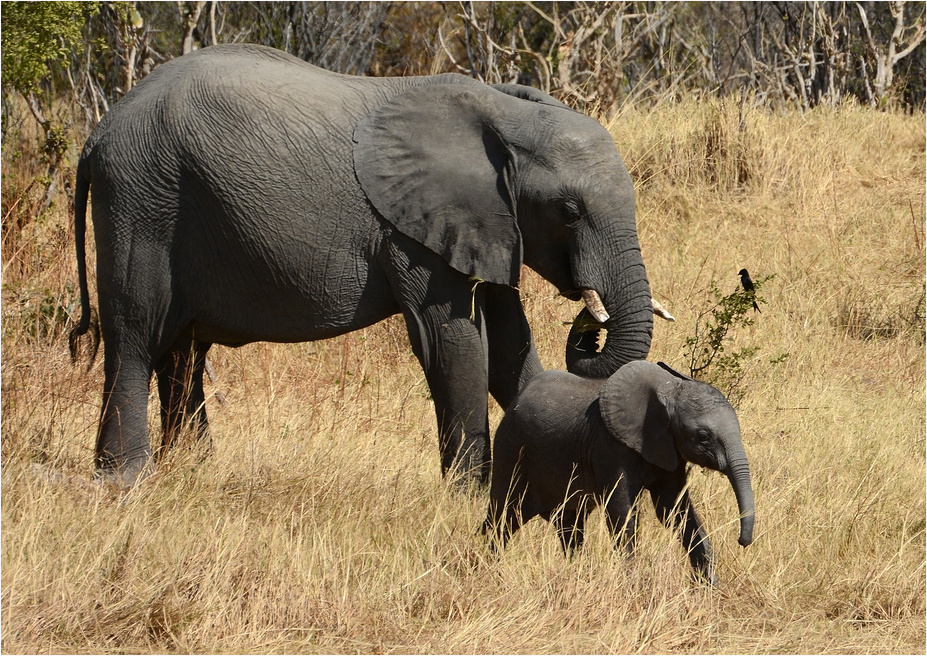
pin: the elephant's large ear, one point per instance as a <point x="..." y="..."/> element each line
<point x="432" y="163"/>
<point x="633" y="404"/>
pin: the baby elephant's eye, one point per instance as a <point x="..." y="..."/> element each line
<point x="702" y="436"/>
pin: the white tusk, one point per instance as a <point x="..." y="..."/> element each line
<point x="660" y="311"/>
<point x="594" y="305"/>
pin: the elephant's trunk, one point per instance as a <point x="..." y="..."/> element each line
<point x="609" y="271"/>
<point x="738" y="473"/>
<point x="629" y="328"/>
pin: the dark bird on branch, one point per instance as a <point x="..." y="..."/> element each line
<point x="748" y="285"/>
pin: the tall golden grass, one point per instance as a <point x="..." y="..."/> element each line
<point x="320" y="522"/>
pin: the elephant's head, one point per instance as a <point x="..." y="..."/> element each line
<point x="493" y="178"/>
<point x="669" y="418"/>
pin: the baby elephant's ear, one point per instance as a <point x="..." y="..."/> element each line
<point x="634" y="408"/>
<point x="668" y="368"/>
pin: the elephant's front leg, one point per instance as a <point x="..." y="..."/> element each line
<point x="513" y="359"/>
<point x="674" y="507"/>
<point x="457" y="376"/>
<point x="621" y="516"/>
<point x="445" y="316"/>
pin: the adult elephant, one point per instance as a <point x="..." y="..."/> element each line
<point x="240" y="194"/>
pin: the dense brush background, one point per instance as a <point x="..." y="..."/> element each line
<point x="320" y="523"/>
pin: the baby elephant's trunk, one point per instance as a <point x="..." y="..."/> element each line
<point x="738" y="473"/>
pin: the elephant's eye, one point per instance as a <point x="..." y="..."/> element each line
<point x="702" y="436"/>
<point x="572" y="210"/>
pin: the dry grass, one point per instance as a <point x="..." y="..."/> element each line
<point x="320" y="523"/>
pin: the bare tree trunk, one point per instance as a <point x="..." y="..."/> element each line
<point x="887" y="58"/>
<point x="212" y="23"/>
<point x="189" y="16"/>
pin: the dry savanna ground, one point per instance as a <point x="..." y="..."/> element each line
<point x="320" y="523"/>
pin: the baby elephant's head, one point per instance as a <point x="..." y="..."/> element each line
<point x="669" y="418"/>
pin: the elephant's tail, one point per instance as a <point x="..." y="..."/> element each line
<point x="81" y="194"/>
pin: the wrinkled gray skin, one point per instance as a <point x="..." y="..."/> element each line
<point x="240" y="194"/>
<point x="590" y="442"/>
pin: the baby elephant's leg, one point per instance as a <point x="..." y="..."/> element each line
<point x="502" y="528"/>
<point x="674" y="507"/>
<point x="570" y="524"/>
<point x="621" y="515"/>
<point x="502" y="521"/>
<point x="508" y="499"/>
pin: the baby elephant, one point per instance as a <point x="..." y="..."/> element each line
<point x="568" y="444"/>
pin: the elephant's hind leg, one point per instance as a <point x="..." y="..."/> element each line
<point x="183" y="401"/>
<point x="502" y="522"/>
<point x="506" y="494"/>
<point x="123" y="448"/>
<point x="571" y="525"/>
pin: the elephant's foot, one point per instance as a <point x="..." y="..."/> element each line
<point x="469" y="473"/>
<point x="470" y="483"/>
<point x="191" y="439"/>
<point x="706" y="575"/>
<point x="130" y="474"/>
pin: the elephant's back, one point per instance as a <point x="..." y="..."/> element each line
<point x="226" y="94"/>
<point x="237" y="129"/>
<point x="237" y="90"/>
<point x="550" y="391"/>
<point x="547" y="409"/>
<point x="233" y="115"/>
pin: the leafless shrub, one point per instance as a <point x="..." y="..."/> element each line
<point x="595" y="55"/>
<point x="339" y="36"/>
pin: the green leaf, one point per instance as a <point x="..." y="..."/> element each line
<point x="36" y="32"/>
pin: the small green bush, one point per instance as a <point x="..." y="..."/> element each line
<point x="708" y="351"/>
